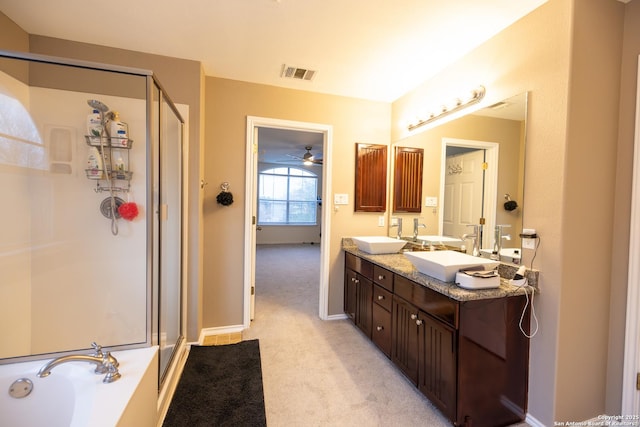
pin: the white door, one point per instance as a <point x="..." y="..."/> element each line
<point x="463" y="192"/>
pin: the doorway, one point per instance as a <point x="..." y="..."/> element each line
<point x="254" y="124"/>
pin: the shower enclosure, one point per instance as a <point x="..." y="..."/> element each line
<point x="90" y="250"/>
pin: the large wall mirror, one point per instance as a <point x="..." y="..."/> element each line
<point x="473" y="168"/>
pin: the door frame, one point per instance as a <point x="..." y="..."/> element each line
<point x="630" y="395"/>
<point x="251" y="184"/>
<point x="490" y="197"/>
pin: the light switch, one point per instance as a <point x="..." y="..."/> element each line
<point x="340" y="199"/>
<point x="431" y="201"/>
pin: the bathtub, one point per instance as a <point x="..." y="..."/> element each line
<point x="74" y="396"/>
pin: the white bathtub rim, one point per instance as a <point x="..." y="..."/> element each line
<point x="98" y="404"/>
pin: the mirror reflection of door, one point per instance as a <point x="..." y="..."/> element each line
<point x="463" y="190"/>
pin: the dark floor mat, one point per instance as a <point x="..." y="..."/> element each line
<point x="220" y="386"/>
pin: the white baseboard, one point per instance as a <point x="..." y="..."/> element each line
<point x="219" y="331"/>
<point x="337" y="317"/>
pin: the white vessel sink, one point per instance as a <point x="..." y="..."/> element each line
<point x="443" y="265"/>
<point x="376" y="245"/>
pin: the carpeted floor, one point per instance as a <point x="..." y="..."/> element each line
<point x="322" y="373"/>
<point x="220" y="386"/>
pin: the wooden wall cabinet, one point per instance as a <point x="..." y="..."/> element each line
<point x="407" y="179"/>
<point x="371" y="178"/>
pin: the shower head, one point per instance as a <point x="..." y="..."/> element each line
<point x="94" y="103"/>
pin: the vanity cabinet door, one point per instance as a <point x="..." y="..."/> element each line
<point x="381" y="330"/>
<point x="350" y="301"/>
<point x="358" y="298"/>
<point x="364" y="297"/>
<point x="437" y="363"/>
<point x="404" y="344"/>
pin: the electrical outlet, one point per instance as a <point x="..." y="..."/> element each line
<point x="381" y="221"/>
<point x="528" y="243"/>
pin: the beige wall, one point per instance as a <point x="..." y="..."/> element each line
<point x="229" y="103"/>
<point x="567" y="55"/>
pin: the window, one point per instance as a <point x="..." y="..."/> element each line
<point x="287" y="196"/>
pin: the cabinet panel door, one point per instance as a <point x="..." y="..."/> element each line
<point x="437" y="364"/>
<point x="404" y="341"/>
<point x="371" y="178"/>
<point x="364" y="296"/>
<point x="350" y="278"/>
<point x="381" y="331"/>
<point x="407" y="182"/>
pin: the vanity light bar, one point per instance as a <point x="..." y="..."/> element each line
<point x="475" y="96"/>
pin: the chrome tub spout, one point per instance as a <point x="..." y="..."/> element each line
<point x="105" y="364"/>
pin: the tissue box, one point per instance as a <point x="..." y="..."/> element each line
<point x="472" y="282"/>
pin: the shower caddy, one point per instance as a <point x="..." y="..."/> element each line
<point x="111" y="166"/>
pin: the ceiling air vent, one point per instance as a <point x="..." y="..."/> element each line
<point x="297" y="73"/>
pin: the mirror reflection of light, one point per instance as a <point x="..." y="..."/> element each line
<point x="20" y="141"/>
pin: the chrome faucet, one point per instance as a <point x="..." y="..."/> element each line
<point x="105" y="363"/>
<point x="416" y="226"/>
<point x="476" y="236"/>
<point x="399" y="225"/>
<point x="497" y="241"/>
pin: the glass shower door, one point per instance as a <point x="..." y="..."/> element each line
<point x="170" y="234"/>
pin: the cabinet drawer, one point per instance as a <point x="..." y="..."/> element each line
<point x="437" y="305"/>
<point x="359" y="265"/>
<point x="383" y="277"/>
<point x="381" y="331"/>
<point x="382" y="297"/>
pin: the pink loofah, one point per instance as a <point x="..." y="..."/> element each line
<point x="128" y="211"/>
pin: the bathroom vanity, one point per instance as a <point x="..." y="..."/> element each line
<point x="464" y="350"/>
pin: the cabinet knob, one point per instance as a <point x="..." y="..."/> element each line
<point x="418" y="322"/>
<point x="356" y="280"/>
<point x="380" y="277"/>
<point x="379" y="328"/>
<point x="414" y="316"/>
<point x="380" y="297"/>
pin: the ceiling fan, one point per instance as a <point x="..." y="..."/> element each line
<point x="307" y="158"/>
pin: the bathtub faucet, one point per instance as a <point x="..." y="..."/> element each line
<point x="105" y="363"/>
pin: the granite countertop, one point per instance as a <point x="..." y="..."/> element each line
<point x="399" y="264"/>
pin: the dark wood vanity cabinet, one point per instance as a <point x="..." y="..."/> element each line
<point x="468" y="357"/>
<point x="424" y="341"/>
<point x="358" y="292"/>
